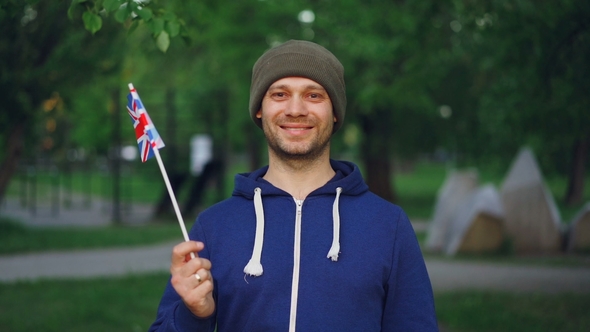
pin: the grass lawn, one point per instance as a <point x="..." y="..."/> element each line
<point x="16" y="238"/>
<point x="115" y="304"/>
<point x="417" y="189"/>
<point x="130" y="303"/>
<point x="484" y="311"/>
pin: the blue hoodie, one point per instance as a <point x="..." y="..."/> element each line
<point x="343" y="259"/>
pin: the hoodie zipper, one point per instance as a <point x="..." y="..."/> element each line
<point x="296" y="258"/>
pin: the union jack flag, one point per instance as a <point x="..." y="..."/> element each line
<point x="145" y="131"/>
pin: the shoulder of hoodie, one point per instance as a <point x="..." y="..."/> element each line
<point x="350" y="179"/>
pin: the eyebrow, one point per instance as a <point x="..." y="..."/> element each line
<point x="307" y="87"/>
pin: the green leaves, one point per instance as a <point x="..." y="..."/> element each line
<point x="92" y="22"/>
<point x="173" y="28"/>
<point x="145" y="13"/>
<point x="111" y="5"/>
<point x="72" y="9"/>
<point x="156" y="26"/>
<point x="162" y="23"/>
<point x="163" y="41"/>
<point x="162" y="37"/>
<point x="122" y="14"/>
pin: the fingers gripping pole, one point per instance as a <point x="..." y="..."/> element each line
<point x="172" y="197"/>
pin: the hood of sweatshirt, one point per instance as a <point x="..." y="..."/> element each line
<point x="348" y="181"/>
<point x="348" y="177"/>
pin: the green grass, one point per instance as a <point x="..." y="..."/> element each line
<point x="417" y="189"/>
<point x="16" y="238"/>
<point x="139" y="186"/>
<point x="106" y="304"/>
<point x="130" y="304"/>
<point x="485" y="311"/>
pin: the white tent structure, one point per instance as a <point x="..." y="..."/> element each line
<point x="579" y="230"/>
<point x="478" y="225"/>
<point x="532" y="218"/>
<point x="457" y="186"/>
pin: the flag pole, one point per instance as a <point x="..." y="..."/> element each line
<point x="155" y="148"/>
<point x="172" y="197"/>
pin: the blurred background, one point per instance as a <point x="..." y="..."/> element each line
<point x="433" y="87"/>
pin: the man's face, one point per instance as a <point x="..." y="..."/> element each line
<point x="297" y="118"/>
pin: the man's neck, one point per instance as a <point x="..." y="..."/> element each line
<point x="299" y="177"/>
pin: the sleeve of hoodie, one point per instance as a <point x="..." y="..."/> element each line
<point x="410" y="302"/>
<point x="173" y="315"/>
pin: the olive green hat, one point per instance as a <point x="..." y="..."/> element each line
<point x="297" y="58"/>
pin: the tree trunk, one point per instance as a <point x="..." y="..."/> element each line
<point x="379" y="177"/>
<point x="376" y="151"/>
<point x="14" y="151"/>
<point x="253" y="148"/>
<point x="575" y="188"/>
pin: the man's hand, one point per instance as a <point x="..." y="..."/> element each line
<point x="191" y="278"/>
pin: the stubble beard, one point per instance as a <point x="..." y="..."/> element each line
<point x="298" y="154"/>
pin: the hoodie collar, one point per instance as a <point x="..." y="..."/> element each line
<point x="348" y="177"/>
<point x="347" y="181"/>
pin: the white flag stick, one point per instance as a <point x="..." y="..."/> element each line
<point x="165" y="176"/>
<point x="172" y="197"/>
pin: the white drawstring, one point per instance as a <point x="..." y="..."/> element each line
<point x="335" y="249"/>
<point x="254" y="267"/>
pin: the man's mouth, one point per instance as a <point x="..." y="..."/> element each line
<point x="296" y="126"/>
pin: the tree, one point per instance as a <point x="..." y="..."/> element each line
<point x="530" y="62"/>
<point x="38" y="41"/>
<point x="31" y="32"/>
<point x="394" y="59"/>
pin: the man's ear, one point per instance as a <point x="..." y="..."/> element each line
<point x="259" y="114"/>
<point x="335" y="119"/>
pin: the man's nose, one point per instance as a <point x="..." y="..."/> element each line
<point x="296" y="107"/>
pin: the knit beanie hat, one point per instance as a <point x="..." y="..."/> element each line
<point x="297" y="58"/>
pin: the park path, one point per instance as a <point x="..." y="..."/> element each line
<point x="85" y="263"/>
<point x="444" y="273"/>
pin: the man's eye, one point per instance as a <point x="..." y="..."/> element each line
<point x="316" y="96"/>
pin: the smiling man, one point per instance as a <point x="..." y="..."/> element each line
<point x="298" y="121"/>
<point x="302" y="244"/>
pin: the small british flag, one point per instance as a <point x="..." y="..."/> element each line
<point x="145" y="131"/>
